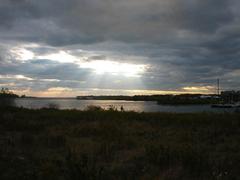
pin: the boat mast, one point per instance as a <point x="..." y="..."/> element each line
<point x="218" y="87"/>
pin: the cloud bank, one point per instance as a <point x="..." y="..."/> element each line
<point x="182" y="45"/>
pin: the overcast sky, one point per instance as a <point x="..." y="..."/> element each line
<point x="84" y="47"/>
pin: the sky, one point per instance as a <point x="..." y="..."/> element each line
<point x="67" y="48"/>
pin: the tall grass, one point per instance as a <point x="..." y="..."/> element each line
<point x="108" y="144"/>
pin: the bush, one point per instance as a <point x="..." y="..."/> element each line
<point x="7" y="98"/>
<point x="112" y="108"/>
<point x="52" y="106"/>
<point x="7" y="101"/>
<point x="94" y="108"/>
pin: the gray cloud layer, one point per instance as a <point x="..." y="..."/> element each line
<point x="183" y="42"/>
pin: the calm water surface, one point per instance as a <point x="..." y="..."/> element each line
<point x="146" y="106"/>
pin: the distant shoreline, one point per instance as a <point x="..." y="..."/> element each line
<point x="172" y="100"/>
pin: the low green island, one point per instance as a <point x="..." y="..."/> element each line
<point x="108" y="144"/>
<point x="167" y="99"/>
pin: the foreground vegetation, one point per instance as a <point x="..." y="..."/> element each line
<point x="97" y="144"/>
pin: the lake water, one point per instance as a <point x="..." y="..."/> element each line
<point x="139" y="106"/>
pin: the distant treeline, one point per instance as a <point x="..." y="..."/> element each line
<point x="190" y="99"/>
<point x="230" y="96"/>
<point x="6" y="93"/>
<point x="128" y="98"/>
<point x="161" y="99"/>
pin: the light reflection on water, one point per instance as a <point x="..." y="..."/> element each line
<point x="139" y="106"/>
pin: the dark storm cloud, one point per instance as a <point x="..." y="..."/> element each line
<point x="89" y="21"/>
<point x="12" y="10"/>
<point x="183" y="42"/>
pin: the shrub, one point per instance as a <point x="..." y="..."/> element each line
<point x="93" y="108"/>
<point x="7" y="101"/>
<point x="52" y="106"/>
<point x="112" y="108"/>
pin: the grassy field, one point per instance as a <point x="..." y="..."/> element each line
<point x="96" y="144"/>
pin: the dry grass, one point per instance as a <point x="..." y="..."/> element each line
<point x="97" y="144"/>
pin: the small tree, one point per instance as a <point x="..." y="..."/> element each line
<point x="7" y="97"/>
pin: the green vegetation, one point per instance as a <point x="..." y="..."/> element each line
<point x="5" y="92"/>
<point x="97" y="144"/>
<point x="182" y="99"/>
<point x="7" y="97"/>
<point x="187" y="99"/>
